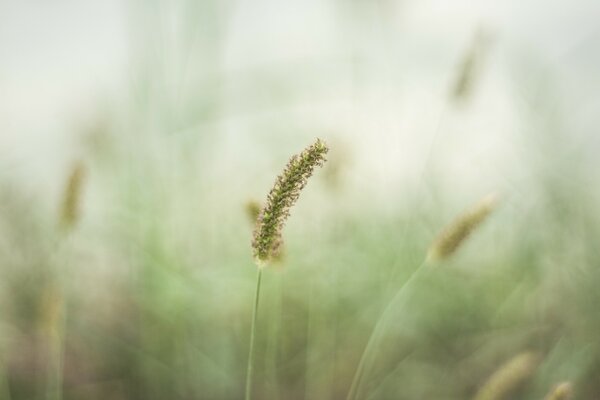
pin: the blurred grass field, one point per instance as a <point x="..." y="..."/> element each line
<point x="146" y="292"/>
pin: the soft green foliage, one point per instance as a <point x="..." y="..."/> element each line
<point x="155" y="277"/>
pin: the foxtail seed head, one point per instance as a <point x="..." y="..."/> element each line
<point x="509" y="377"/>
<point x="562" y="391"/>
<point x="267" y="238"/>
<point x="468" y="72"/>
<point x="450" y="239"/>
<point x="69" y="212"/>
<point x="253" y="209"/>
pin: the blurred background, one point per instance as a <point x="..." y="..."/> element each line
<point x="135" y="135"/>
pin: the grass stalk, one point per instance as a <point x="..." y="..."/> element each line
<point x="250" y="368"/>
<point x="371" y="350"/>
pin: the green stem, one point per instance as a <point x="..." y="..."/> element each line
<point x="250" y="370"/>
<point x="370" y="352"/>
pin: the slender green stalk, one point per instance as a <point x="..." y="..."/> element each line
<point x="371" y="350"/>
<point x="250" y="369"/>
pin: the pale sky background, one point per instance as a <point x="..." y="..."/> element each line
<point x="60" y="60"/>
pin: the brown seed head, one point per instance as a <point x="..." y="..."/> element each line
<point x="562" y="391"/>
<point x="69" y="213"/>
<point x="468" y="71"/>
<point x="509" y="377"/>
<point x="450" y="239"/>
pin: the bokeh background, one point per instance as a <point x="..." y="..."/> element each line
<point x="134" y="134"/>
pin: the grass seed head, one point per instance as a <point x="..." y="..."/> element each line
<point x="562" y="391"/>
<point x="509" y="377"/>
<point x="267" y="240"/>
<point x="69" y="213"/>
<point x="468" y="71"/>
<point x="451" y="238"/>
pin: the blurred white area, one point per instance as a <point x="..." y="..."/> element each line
<point x="374" y="75"/>
<point x="57" y="58"/>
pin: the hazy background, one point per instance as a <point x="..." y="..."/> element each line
<point x="372" y="72"/>
<point x="180" y="112"/>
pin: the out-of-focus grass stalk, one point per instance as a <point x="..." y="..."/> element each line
<point x="372" y="348"/>
<point x="442" y="248"/>
<point x="54" y="327"/>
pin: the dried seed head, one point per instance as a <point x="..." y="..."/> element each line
<point x="562" y="391"/>
<point x="69" y="213"/>
<point x="267" y="239"/>
<point x="450" y="239"/>
<point x="509" y="377"/>
<point x="468" y="70"/>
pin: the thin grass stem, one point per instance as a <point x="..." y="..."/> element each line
<point x="250" y="369"/>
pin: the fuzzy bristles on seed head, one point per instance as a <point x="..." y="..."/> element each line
<point x="448" y="242"/>
<point x="509" y="377"/>
<point x="267" y="233"/>
<point x="562" y="391"/>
